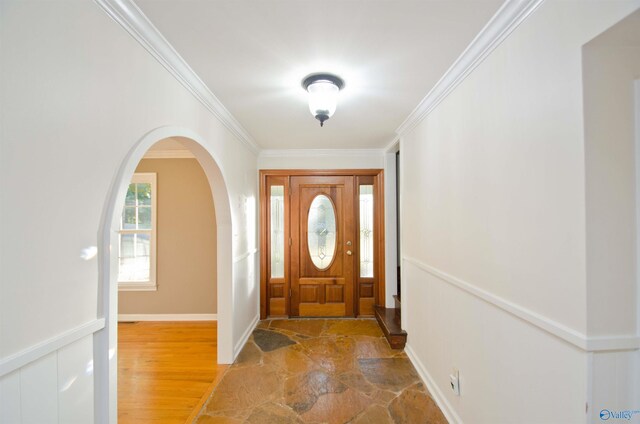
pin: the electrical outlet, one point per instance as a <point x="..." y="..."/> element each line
<point x="454" y="378"/>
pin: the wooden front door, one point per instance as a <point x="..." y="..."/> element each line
<point x="322" y="246"/>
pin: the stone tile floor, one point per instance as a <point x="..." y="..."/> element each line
<point x="320" y="371"/>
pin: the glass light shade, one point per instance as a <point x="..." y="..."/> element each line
<point x="323" y="98"/>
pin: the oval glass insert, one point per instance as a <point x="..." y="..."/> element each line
<point x="321" y="231"/>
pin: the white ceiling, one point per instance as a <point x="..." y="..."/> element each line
<point x="253" y="55"/>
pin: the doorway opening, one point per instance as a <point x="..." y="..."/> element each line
<point x="167" y="330"/>
<point x="106" y="340"/>
<point x="322" y="238"/>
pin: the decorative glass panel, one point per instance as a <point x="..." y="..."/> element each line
<point x="277" y="231"/>
<point x="366" y="231"/>
<point x="321" y="231"/>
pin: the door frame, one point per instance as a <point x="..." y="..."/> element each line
<point x="105" y="341"/>
<point x="284" y="176"/>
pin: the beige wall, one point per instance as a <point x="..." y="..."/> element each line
<point x="186" y="265"/>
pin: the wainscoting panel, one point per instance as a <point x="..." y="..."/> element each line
<point x="39" y="391"/>
<point x="615" y="383"/>
<point x="75" y="382"/>
<point x="508" y="367"/>
<point x="57" y="388"/>
<point x="10" y="411"/>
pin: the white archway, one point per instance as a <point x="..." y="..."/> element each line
<point x="106" y="340"/>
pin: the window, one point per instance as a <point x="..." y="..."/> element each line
<point x="366" y="231"/>
<point x="277" y="231"/>
<point x="137" y="238"/>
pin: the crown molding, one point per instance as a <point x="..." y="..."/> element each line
<point x="168" y="154"/>
<point x="510" y="15"/>
<point x="304" y="153"/>
<point x="130" y="17"/>
<point x="393" y="146"/>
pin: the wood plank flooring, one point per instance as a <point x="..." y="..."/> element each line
<point x="166" y="370"/>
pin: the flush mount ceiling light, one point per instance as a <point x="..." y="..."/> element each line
<point x="323" y="92"/>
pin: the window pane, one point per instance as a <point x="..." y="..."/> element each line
<point x="129" y="218"/>
<point x="144" y="194"/>
<point x="134" y="269"/>
<point x="277" y="231"/>
<point x="321" y="231"/>
<point x="130" y="199"/>
<point x="366" y="231"/>
<point x="143" y="245"/>
<point x="126" y="246"/>
<point x="135" y="261"/>
<point x="144" y="217"/>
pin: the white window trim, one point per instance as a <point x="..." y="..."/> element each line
<point x="151" y="284"/>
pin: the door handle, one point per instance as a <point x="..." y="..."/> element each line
<point x="349" y="252"/>
<point x="349" y="243"/>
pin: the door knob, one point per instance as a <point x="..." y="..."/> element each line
<point x="349" y="252"/>
<point x="349" y="243"/>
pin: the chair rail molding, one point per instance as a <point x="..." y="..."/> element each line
<point x="510" y="15"/>
<point x="39" y="350"/>
<point x="135" y="22"/>
<point x="566" y="334"/>
<point x="245" y="255"/>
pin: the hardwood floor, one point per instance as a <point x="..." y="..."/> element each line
<point x="166" y="370"/>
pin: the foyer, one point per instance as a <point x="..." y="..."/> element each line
<point x="502" y="138"/>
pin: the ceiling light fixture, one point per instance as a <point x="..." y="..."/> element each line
<point x="323" y="92"/>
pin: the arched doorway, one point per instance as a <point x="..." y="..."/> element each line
<point x="105" y="342"/>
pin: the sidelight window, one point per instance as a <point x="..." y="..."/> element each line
<point x="277" y="231"/>
<point x="366" y="231"/>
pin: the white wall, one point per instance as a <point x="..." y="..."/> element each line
<point x="611" y="65"/>
<point x="321" y="159"/>
<point x="55" y="388"/>
<point x="494" y="239"/>
<point x="77" y="94"/>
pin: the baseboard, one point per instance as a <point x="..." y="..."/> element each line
<point x="444" y="405"/>
<point x="167" y="317"/>
<point x="245" y="336"/>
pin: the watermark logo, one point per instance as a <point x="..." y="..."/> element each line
<point x="627" y="414"/>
